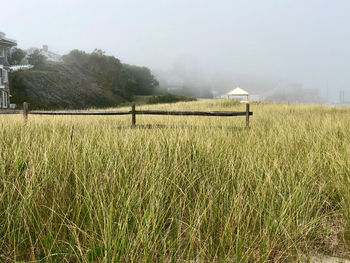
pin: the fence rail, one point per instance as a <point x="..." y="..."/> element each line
<point x="192" y="113"/>
<point x="36" y="112"/>
<point x="11" y="111"/>
<point x="247" y="113"/>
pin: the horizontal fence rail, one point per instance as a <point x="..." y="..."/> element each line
<point x="193" y="113"/>
<point x="11" y="111"/>
<point x="36" y="112"/>
<point x="133" y="112"/>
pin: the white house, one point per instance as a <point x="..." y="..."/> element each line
<point x="5" y="45"/>
<point x="51" y="56"/>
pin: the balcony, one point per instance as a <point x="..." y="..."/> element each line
<point x="10" y="40"/>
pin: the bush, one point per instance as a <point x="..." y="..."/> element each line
<point x="17" y="56"/>
<point x="122" y="79"/>
<point x="168" y="99"/>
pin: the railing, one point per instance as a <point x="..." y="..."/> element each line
<point x="21" y="67"/>
<point x="9" y="39"/>
<point x="247" y="113"/>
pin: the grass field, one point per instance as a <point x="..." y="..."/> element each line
<point x="200" y="189"/>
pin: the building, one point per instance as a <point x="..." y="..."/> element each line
<point x="50" y="56"/>
<point x="238" y="92"/>
<point x="5" y="45"/>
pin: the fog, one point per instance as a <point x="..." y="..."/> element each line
<point x="276" y="49"/>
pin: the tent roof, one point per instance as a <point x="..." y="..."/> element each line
<point x="238" y="91"/>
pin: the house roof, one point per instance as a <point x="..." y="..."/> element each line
<point x="238" y="91"/>
<point x="7" y="41"/>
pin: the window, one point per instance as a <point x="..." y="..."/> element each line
<point x="5" y="75"/>
<point x="4" y="99"/>
<point x="2" y="52"/>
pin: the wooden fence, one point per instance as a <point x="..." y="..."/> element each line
<point x="133" y="113"/>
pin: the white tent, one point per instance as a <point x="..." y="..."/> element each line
<point x="238" y="92"/>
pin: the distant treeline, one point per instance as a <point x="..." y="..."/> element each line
<point x="168" y="98"/>
<point x="82" y="80"/>
<point x="124" y="79"/>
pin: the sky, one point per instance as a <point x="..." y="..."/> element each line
<point x="263" y="45"/>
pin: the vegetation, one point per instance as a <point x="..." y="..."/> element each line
<point x="168" y="98"/>
<point x="201" y="189"/>
<point x="144" y="100"/>
<point x="36" y="59"/>
<point x="17" y="56"/>
<point x="126" y="80"/>
<point x="191" y="91"/>
<point x="82" y="80"/>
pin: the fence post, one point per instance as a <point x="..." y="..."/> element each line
<point x="247" y="115"/>
<point x="25" y="111"/>
<point x="133" y="115"/>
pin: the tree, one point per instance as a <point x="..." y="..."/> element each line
<point x="140" y="80"/>
<point x="36" y="58"/>
<point x="99" y="52"/>
<point x="17" y="56"/>
<point x="121" y="79"/>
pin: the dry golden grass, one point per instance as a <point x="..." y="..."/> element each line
<point x="205" y="189"/>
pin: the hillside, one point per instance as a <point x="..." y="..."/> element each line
<point x="82" y="80"/>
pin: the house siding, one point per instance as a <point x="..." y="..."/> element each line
<point x="5" y="45"/>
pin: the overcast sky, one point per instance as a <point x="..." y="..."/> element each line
<point x="295" y="41"/>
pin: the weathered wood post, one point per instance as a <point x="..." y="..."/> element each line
<point x="133" y="115"/>
<point x="25" y="111"/>
<point x="247" y="115"/>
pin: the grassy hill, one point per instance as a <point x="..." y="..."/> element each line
<point x="200" y="189"/>
<point x="58" y="85"/>
<point x="81" y="81"/>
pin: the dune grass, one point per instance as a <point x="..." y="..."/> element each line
<point x="199" y="189"/>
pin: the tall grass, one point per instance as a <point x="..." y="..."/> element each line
<point x="201" y="189"/>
